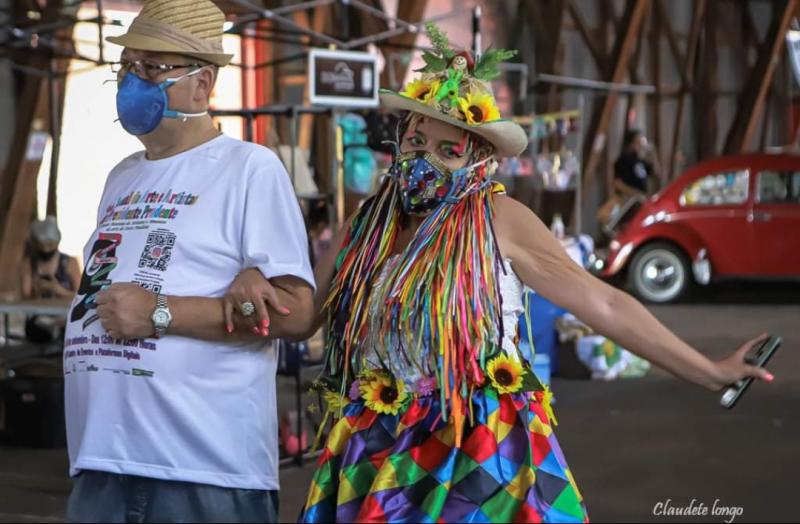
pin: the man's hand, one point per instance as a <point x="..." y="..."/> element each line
<point x="125" y="311"/>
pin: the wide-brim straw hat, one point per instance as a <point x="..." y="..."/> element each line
<point x="186" y="27"/>
<point x="507" y="137"/>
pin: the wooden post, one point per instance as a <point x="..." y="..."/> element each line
<point x="754" y="95"/>
<point x="596" y="135"/>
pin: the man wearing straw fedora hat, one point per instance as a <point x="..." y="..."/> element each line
<point x="170" y="413"/>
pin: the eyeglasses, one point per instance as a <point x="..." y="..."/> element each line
<point x="146" y="68"/>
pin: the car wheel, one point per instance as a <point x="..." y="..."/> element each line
<point x="659" y="273"/>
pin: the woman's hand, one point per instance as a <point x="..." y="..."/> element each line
<point x="251" y="286"/>
<point x="734" y="368"/>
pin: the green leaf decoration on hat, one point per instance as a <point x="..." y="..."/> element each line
<point x="439" y="40"/>
<point x="486" y="68"/>
<point x="439" y="60"/>
<point x="433" y="63"/>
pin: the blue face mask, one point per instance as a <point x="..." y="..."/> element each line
<point x="141" y="104"/>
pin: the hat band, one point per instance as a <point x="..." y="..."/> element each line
<point x="175" y="36"/>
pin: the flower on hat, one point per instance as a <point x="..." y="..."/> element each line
<point x="478" y="108"/>
<point x="421" y="90"/>
<point x="505" y="374"/>
<point x="383" y="394"/>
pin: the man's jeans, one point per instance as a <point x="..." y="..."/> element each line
<point x="108" y="497"/>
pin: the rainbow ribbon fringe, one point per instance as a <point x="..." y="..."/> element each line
<point x="444" y="291"/>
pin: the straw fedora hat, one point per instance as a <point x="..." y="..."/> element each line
<point x="455" y="89"/>
<point x="186" y="27"/>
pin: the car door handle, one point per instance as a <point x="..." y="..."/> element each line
<point x="761" y="216"/>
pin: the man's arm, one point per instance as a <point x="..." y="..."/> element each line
<point x="125" y="311"/>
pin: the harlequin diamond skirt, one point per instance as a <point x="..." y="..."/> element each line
<point x="406" y="468"/>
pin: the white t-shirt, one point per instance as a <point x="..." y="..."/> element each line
<point x="176" y="408"/>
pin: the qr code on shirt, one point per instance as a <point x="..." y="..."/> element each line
<point x="158" y="250"/>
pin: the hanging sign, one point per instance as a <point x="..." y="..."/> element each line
<point x="343" y="78"/>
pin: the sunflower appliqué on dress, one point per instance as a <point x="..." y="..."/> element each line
<point x="382" y="393"/>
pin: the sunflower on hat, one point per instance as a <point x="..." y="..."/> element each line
<point x="478" y="108"/>
<point x="454" y="87"/>
<point x="421" y="90"/>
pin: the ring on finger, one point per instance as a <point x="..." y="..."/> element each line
<point x="248" y="308"/>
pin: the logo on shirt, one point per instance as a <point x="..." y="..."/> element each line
<point x="640" y="170"/>
<point x="101" y="263"/>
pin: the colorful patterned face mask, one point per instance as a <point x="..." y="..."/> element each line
<point x="426" y="183"/>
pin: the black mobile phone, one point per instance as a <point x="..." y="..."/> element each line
<point x="758" y="357"/>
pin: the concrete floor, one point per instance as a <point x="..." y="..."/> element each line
<point x="631" y="444"/>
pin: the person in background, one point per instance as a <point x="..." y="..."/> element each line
<point x="319" y="228"/>
<point x="46" y="273"/>
<point x="635" y="165"/>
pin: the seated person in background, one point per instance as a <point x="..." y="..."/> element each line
<point x="634" y="165"/>
<point x="46" y="273"/>
<point x="319" y="229"/>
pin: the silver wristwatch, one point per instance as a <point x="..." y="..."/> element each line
<point x="162" y="317"/>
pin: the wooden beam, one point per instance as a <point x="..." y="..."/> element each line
<point x="589" y="39"/>
<point x="623" y="48"/>
<point x="371" y="23"/>
<point x="611" y="12"/>
<point x="408" y="11"/>
<point x="754" y="94"/>
<point x="749" y="35"/>
<point x="545" y="18"/>
<point x="510" y="24"/>
<point x="705" y="121"/>
<point x="688" y="67"/>
<point x="18" y="192"/>
<point x="658" y="22"/>
<point x="680" y="59"/>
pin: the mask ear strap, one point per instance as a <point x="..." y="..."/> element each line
<point x="171" y="113"/>
<point x="169" y="81"/>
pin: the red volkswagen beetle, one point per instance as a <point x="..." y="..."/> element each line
<point x="736" y="216"/>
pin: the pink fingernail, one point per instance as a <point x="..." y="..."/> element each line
<point x="285" y="311"/>
<point x="265" y="324"/>
<point x="265" y="332"/>
<point x="770" y="377"/>
<point x="256" y="331"/>
<point x="229" y="329"/>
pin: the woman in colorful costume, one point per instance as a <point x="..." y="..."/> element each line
<point x="437" y="415"/>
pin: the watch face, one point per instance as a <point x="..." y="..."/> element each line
<point x="161" y="317"/>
